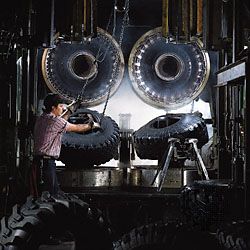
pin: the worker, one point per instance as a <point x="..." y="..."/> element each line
<point x="48" y="131"/>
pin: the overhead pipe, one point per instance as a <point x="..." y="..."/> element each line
<point x="205" y="23"/>
<point x="169" y="18"/>
<point x="52" y="24"/>
<point x="41" y="33"/>
<point x="226" y="32"/>
<point x="235" y="33"/>
<point x="181" y="19"/>
<point x="179" y="30"/>
<point x="76" y="28"/>
<point x="90" y="23"/>
<point x="225" y="18"/>
<point x="84" y="20"/>
<point x="193" y="17"/>
<point x="199" y="17"/>
<point x="238" y="40"/>
<point x="171" y="22"/>
<point x="186" y="19"/>
<point x="165" y="18"/>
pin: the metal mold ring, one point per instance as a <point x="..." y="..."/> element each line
<point x="98" y="64"/>
<point x="166" y="74"/>
<point x="169" y="66"/>
<point x="82" y="65"/>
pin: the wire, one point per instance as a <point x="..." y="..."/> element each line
<point x="113" y="13"/>
<point x="124" y="22"/>
<point x="98" y="55"/>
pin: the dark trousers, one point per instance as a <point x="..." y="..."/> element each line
<point x="49" y="176"/>
<point x="43" y="176"/>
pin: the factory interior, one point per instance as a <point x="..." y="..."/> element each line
<point x="167" y="81"/>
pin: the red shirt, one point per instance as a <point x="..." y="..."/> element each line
<point x="48" y="133"/>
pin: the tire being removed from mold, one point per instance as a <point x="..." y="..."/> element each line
<point x="151" y="140"/>
<point x="81" y="150"/>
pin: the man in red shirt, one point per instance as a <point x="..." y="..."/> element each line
<point x="48" y="131"/>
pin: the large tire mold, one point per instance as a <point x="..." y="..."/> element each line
<point x="168" y="74"/>
<point x="93" y="69"/>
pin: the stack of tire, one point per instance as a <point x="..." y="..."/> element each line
<point x="151" y="140"/>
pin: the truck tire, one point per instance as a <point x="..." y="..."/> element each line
<point x="155" y="236"/>
<point x="8" y="248"/>
<point x="151" y="140"/>
<point x="30" y="225"/>
<point x="234" y="235"/>
<point x="93" y="148"/>
<point x="2" y="247"/>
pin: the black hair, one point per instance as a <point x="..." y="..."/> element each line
<point x="52" y="100"/>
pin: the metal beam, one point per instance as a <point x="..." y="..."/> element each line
<point x="231" y="72"/>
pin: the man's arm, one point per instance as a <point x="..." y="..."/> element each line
<point x="78" y="127"/>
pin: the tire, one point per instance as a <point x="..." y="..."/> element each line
<point x="151" y="140"/>
<point x="2" y="247"/>
<point x="152" y="236"/>
<point x="7" y="248"/>
<point x="94" y="148"/>
<point x="234" y="235"/>
<point x="31" y="224"/>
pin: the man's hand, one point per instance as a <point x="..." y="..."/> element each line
<point x="96" y="125"/>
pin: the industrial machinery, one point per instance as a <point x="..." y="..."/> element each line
<point x="168" y="81"/>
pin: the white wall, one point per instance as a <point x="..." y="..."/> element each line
<point x="125" y="100"/>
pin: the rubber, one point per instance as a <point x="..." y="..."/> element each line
<point x="89" y="149"/>
<point x="151" y="140"/>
